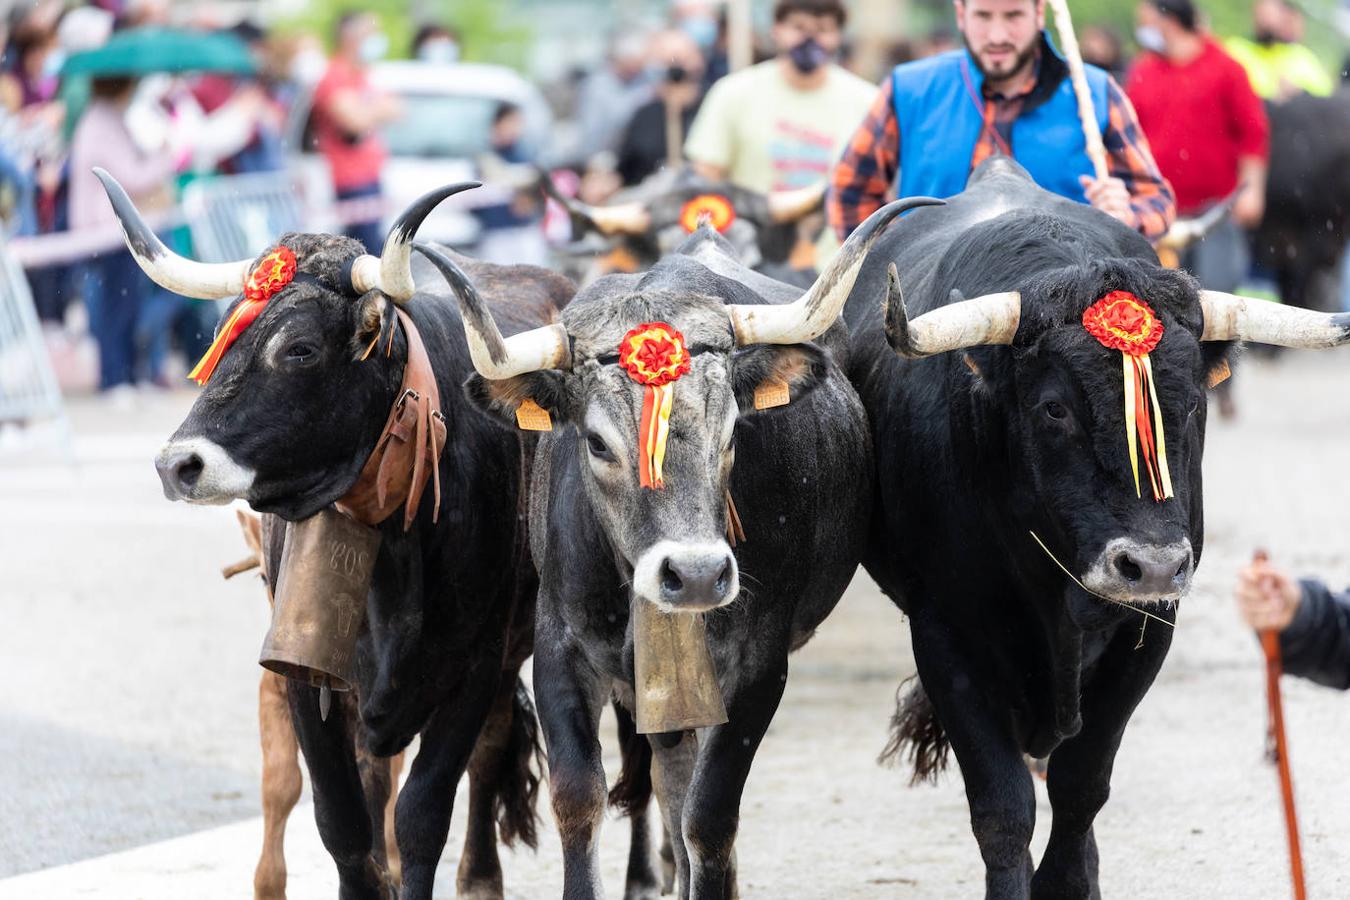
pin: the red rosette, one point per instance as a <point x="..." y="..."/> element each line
<point x="654" y="354"/>
<point x="1121" y="321"/>
<point x="272" y="273"/>
<point x="719" y="210"/>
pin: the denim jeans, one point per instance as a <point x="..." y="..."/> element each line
<point x="368" y="233"/>
<point x="113" y="288"/>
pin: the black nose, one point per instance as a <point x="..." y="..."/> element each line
<point x="700" y="580"/>
<point x="178" y="472"/>
<point x="1154" y="570"/>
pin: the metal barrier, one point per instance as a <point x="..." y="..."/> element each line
<point x="28" y="389"/>
<point x="239" y="216"/>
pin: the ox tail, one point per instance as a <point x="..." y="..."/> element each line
<point x="917" y="733"/>
<point x="523" y="765"/>
<point x="633" y="791"/>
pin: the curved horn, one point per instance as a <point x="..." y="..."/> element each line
<point x="815" y="312"/>
<point x="790" y="206"/>
<point x="1229" y="317"/>
<point x="203" y="281"/>
<point x="493" y="356"/>
<point x="391" y="271"/>
<point x="623" y="218"/>
<point x="991" y="319"/>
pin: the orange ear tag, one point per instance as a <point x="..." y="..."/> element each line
<point x="772" y="393"/>
<point x="530" y="416"/>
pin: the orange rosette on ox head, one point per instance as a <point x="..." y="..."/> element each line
<point x="719" y="210"/>
<point x="272" y="273"/>
<point x="654" y="355"/>
<point x="1121" y="321"/>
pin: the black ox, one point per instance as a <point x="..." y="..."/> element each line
<point x="602" y="543"/>
<point x="998" y="417"/>
<point x="286" y="423"/>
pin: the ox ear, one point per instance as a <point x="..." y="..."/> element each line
<point x="501" y="399"/>
<point x="762" y="373"/>
<point x="373" y="326"/>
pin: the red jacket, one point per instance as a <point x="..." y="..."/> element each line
<point x="1200" y="119"/>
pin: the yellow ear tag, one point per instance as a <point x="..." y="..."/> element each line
<point x="772" y="393"/>
<point x="1220" y="373"/>
<point x="530" y="416"/>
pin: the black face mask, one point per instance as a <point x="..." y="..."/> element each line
<point x="677" y="74"/>
<point x="1267" y="38"/>
<point x="808" y="56"/>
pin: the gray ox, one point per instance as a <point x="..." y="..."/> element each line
<point x="602" y="543"/>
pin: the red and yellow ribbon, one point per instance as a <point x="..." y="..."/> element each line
<point x="269" y="276"/>
<point x="654" y="355"/>
<point x="1121" y="321"/>
<point x="718" y="209"/>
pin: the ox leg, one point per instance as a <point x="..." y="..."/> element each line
<point x="998" y="786"/>
<point x="632" y="794"/>
<point x="422" y="813"/>
<point x="480" y="870"/>
<point x="281" y="784"/>
<point x="1079" y="777"/>
<point x="390" y="839"/>
<point x="713" y="809"/>
<point x="339" y="800"/>
<point x="571" y="695"/>
<point x="674" y="758"/>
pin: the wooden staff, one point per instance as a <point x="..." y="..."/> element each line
<point x="1277" y="746"/>
<point x="1086" y="111"/>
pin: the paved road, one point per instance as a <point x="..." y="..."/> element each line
<point x="128" y="746"/>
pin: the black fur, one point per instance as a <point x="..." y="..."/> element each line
<point x="518" y="788"/>
<point x="915" y="726"/>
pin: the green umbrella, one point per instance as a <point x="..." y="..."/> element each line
<point x="142" y="51"/>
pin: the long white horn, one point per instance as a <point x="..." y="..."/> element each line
<point x="1229" y="317"/>
<point x="808" y="318"/>
<point x="991" y="319"/>
<point x="203" y="281"/>
<point x="494" y="356"/>
<point x="620" y="219"/>
<point x="789" y="206"/>
<point x="391" y="271"/>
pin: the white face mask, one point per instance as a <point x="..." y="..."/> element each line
<point x="440" y="50"/>
<point x="374" y="46"/>
<point x="1150" y="38"/>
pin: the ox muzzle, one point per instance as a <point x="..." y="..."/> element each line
<point x="201" y="471"/>
<point x="1137" y="573"/>
<point x="687" y="577"/>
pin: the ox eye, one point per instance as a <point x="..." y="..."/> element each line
<point x="1056" y="410"/>
<point x="599" y="449"/>
<point x="299" y="352"/>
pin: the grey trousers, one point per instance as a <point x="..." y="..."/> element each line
<point x="1221" y="260"/>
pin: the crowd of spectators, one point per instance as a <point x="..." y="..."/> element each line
<point x="661" y="99"/>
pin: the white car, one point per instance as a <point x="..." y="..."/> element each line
<point x="445" y="128"/>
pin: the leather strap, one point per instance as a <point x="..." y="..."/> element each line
<point x="408" y="452"/>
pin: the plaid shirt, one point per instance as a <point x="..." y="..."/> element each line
<point x="863" y="178"/>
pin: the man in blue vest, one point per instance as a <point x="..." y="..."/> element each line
<point x="1007" y="92"/>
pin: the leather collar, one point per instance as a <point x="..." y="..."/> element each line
<point x="408" y="452"/>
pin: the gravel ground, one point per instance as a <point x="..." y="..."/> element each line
<point x="128" y="712"/>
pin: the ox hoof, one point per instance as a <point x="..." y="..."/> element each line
<point x="480" y="889"/>
<point x="642" y="892"/>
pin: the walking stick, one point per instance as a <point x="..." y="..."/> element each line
<point x="1277" y="747"/>
<point x="1086" y="111"/>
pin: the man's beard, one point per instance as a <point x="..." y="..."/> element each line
<point x="1019" y="61"/>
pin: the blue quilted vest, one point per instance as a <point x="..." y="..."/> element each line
<point x="941" y="119"/>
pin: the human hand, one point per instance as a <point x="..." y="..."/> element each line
<point x="1249" y="207"/>
<point x="1267" y="597"/>
<point x="1110" y="196"/>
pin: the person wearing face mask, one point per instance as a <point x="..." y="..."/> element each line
<point x="655" y="133"/>
<point x="1277" y="62"/>
<point x="779" y="125"/>
<point x="348" y="112"/>
<point x="1007" y="92"/>
<point x="1208" y="129"/>
<point x="435" y="44"/>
